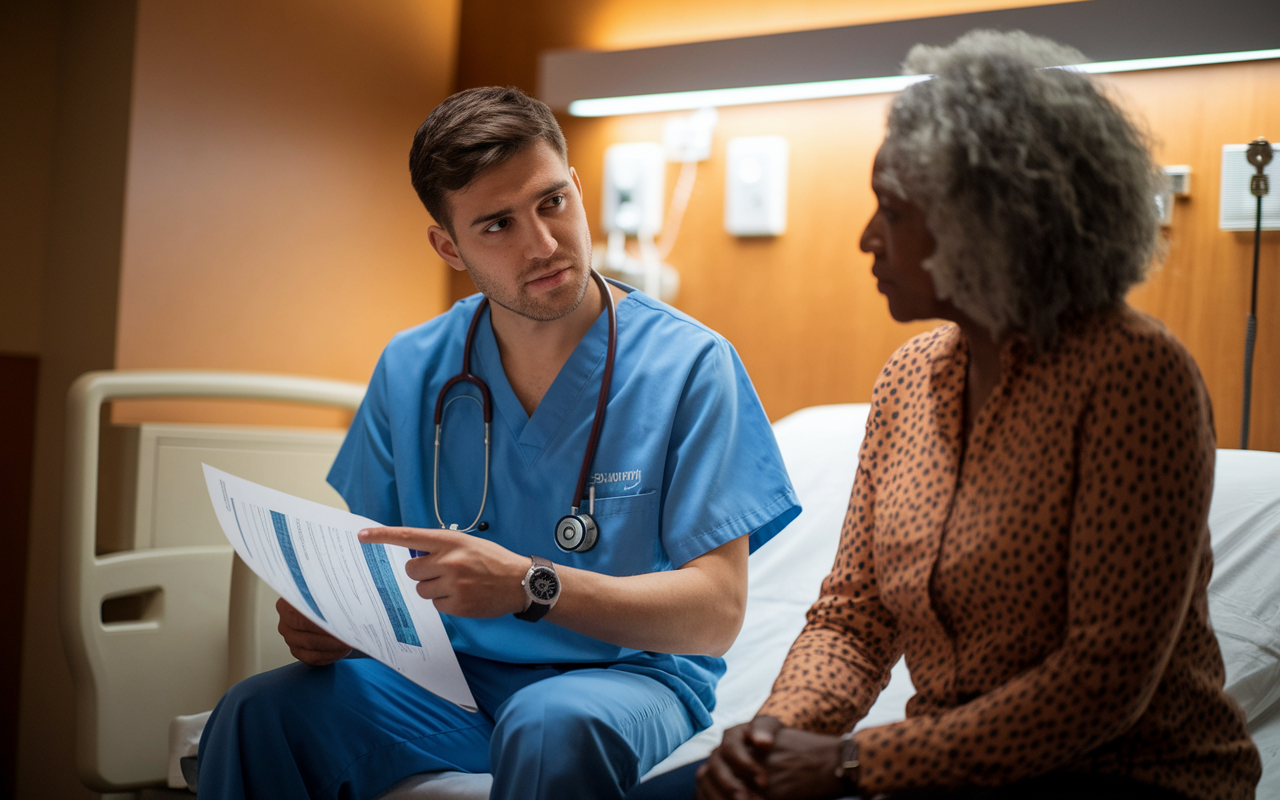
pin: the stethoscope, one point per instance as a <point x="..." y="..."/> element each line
<point x="576" y="531"/>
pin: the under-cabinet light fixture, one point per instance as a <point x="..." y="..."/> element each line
<point x="749" y="95"/>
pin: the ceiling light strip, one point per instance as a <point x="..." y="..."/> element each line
<point x="749" y="95"/>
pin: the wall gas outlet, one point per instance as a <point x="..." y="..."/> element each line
<point x="1177" y="183"/>
<point x="635" y="176"/>
<point x="755" y="191"/>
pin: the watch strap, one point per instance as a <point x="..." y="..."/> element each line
<point x="848" y="770"/>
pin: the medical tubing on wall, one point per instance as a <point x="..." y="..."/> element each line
<point x="679" y="204"/>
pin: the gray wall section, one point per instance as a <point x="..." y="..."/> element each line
<point x="1104" y="30"/>
<point x="78" y="333"/>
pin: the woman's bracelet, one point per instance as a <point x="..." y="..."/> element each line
<point x="847" y="768"/>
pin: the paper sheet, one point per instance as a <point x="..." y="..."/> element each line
<point x="308" y="552"/>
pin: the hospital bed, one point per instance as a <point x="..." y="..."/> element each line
<point x="158" y="628"/>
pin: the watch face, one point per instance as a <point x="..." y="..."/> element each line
<point x="543" y="584"/>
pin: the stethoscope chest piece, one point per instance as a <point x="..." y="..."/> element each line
<point x="576" y="533"/>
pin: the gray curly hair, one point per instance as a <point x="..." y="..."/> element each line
<point x="1038" y="190"/>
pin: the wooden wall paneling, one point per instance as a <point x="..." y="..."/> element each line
<point x="1201" y="291"/>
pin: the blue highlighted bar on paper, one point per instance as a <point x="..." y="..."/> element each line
<point x="281" y="524"/>
<point x="375" y="555"/>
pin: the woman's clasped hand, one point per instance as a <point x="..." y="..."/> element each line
<point x="762" y="758"/>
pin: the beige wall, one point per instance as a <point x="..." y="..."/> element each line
<point x="229" y="190"/>
<point x="270" y="224"/>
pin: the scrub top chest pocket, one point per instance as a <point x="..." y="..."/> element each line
<point x="627" y="544"/>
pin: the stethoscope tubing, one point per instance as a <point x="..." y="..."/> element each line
<point x="603" y="399"/>
<point x="486" y="405"/>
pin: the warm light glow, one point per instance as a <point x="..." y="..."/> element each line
<point x="749" y="95"/>
<point x="627" y="25"/>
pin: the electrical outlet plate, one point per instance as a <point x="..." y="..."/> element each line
<point x="1237" y="207"/>
<point x="635" y="176"/>
<point x="755" y="192"/>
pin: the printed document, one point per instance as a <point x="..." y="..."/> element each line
<point x="309" y="553"/>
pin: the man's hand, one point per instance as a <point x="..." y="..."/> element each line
<point x="464" y="575"/>
<point x="308" y="642"/>
<point x="696" y="608"/>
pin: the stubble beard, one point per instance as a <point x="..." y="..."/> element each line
<point x="553" y="307"/>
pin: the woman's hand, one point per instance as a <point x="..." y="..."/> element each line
<point x="735" y="769"/>
<point x="801" y="764"/>
<point x="764" y="759"/>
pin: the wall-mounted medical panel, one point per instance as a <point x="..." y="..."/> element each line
<point x="1237" y="207"/>
<point x="635" y="177"/>
<point x="755" y="191"/>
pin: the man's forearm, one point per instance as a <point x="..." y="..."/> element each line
<point x="696" y="609"/>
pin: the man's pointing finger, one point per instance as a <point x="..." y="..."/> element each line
<point x="413" y="538"/>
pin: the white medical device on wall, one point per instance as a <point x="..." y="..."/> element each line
<point x="1177" y="183"/>
<point x="755" y="189"/>
<point x="635" y="176"/>
<point x="632" y="202"/>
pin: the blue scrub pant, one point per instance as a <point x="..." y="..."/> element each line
<point x="355" y="728"/>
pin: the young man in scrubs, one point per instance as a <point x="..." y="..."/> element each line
<point x="583" y="690"/>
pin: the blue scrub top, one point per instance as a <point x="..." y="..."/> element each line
<point x="686" y="462"/>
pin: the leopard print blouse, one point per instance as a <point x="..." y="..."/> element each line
<point x="1046" y="578"/>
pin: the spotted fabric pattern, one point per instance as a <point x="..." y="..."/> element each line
<point x="1046" y="578"/>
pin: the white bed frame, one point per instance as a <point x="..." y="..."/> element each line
<point x="186" y="642"/>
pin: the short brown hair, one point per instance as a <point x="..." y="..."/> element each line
<point x="470" y="132"/>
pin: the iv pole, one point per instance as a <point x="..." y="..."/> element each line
<point x="1259" y="155"/>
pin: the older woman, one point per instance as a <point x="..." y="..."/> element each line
<point x="1028" y="521"/>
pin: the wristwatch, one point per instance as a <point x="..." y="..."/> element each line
<point x="541" y="587"/>
<point x="848" y="770"/>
